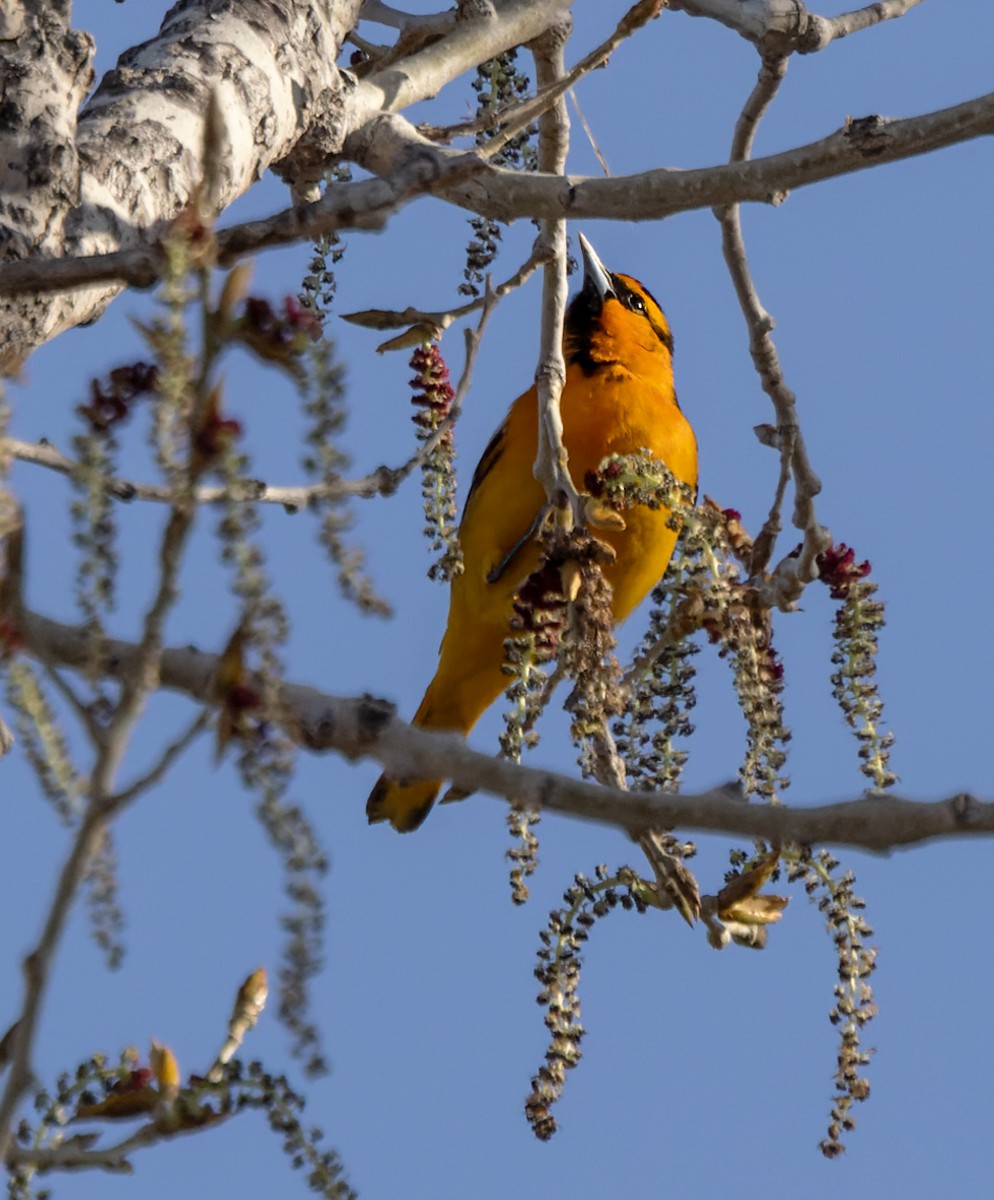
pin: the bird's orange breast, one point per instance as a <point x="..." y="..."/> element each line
<point x="612" y="411"/>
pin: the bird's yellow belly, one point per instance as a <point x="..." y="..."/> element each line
<point x="655" y="427"/>
<point x="643" y="550"/>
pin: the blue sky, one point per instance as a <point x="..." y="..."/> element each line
<point x="703" y="1073"/>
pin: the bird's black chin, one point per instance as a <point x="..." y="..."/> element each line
<point x="582" y="318"/>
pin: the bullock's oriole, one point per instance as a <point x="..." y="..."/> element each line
<point x="618" y="399"/>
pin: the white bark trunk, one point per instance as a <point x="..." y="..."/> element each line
<point x="134" y="159"/>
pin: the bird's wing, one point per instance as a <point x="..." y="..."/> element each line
<point x="504" y="500"/>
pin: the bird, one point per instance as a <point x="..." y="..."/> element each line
<point x="618" y="398"/>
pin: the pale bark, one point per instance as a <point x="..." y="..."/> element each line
<point x="136" y="156"/>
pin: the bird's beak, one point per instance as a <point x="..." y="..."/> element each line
<point x="596" y="277"/>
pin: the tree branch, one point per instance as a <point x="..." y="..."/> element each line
<point x="140" y="139"/>
<point x="782" y="26"/>
<point x="652" y="195"/>
<point x="364" y="204"/>
<point x="383" y="318"/>
<point x="75" y="1155"/>
<point x="823" y="30"/>
<point x="552" y="462"/>
<point x="169" y="755"/>
<point x="507" y="195"/>
<point x="783" y="588"/>
<point x="383" y="480"/>
<point x="422" y="75"/>
<point x="365" y="727"/>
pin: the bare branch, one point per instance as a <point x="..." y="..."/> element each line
<point x="379" y="318"/>
<point x="395" y="18"/>
<point x="166" y="759"/>
<point x="782" y="26"/>
<point x="652" y="195"/>
<point x="766" y="539"/>
<point x="83" y="711"/>
<point x="594" y="145"/>
<point x="506" y="195"/>
<point x="472" y="41"/>
<point x="384" y="480"/>
<point x="771" y="24"/>
<point x="142" y="680"/>
<point x="365" y="204"/>
<point x="75" y="1155"/>
<point x="771" y="75"/>
<point x="366" y="728"/>
<point x="823" y="30"/>
<point x="552" y="463"/>
<point x="787" y="582"/>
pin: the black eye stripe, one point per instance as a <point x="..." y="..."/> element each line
<point x="628" y="296"/>
<point x="637" y="303"/>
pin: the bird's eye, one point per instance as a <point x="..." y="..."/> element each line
<point x="635" y="302"/>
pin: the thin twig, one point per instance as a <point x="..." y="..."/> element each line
<point x="512" y="122"/>
<point x="520" y="115"/>
<point x="73" y="1156"/>
<point x="135" y="686"/>
<point x="143" y="679"/>
<point x="83" y="711"/>
<point x="762" y="547"/>
<point x="473" y="338"/>
<point x="114" y="804"/>
<point x="294" y="497"/>
<point x="552" y="462"/>
<point x="382" y="318"/>
<point x="787" y="582"/>
<point x="590" y="134"/>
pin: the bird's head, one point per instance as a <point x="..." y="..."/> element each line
<point x="615" y="319"/>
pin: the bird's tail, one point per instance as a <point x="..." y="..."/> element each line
<point x="469" y="679"/>
<point x="405" y="804"/>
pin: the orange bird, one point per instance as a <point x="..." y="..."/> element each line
<point x="618" y="399"/>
